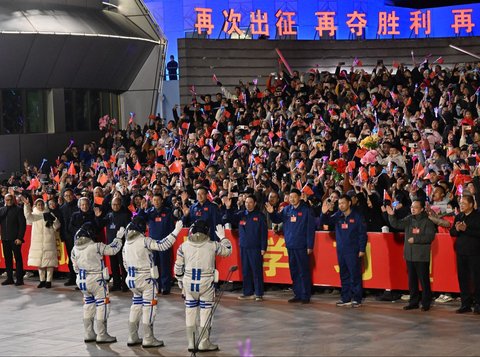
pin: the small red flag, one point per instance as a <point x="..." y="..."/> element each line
<point x="307" y="190"/>
<point x="71" y="170"/>
<point x="176" y="167"/>
<point x="386" y="196"/>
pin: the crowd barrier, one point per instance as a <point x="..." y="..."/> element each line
<point x="383" y="265"/>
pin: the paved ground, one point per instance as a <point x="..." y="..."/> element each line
<point x="45" y="322"/>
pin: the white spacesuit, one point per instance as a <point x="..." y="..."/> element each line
<point x="195" y="271"/>
<point x="142" y="279"/>
<point x="87" y="260"/>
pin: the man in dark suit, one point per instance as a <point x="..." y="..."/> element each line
<point x="466" y="228"/>
<point x="13" y="225"/>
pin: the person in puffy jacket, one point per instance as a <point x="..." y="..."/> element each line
<point x="43" y="252"/>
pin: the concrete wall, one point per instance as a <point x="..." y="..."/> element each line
<point x="232" y="60"/>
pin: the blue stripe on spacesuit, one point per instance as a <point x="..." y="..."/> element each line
<point x="191" y="303"/>
<point x="89" y="300"/>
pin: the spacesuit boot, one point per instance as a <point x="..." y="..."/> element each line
<point x="133" y="338"/>
<point x="149" y="340"/>
<point x="205" y="344"/>
<point x="191" y="337"/>
<point x="90" y="335"/>
<point x="102" y="335"/>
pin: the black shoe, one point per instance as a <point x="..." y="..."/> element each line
<point x="70" y="283"/>
<point x="125" y="289"/>
<point x="166" y="292"/>
<point x="294" y="300"/>
<point x="19" y="283"/>
<point x="48" y="285"/>
<point x="476" y="309"/>
<point x="41" y="285"/>
<point x="425" y="308"/>
<point x="305" y="301"/>
<point x="463" y="310"/>
<point x="8" y="282"/>
<point x="410" y="307"/>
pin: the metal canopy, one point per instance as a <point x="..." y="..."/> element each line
<point x="69" y="44"/>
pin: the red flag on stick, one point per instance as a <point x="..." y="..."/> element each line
<point x="176" y="167"/>
<point x="71" y="170"/>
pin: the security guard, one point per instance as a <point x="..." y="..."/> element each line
<point x="160" y="224"/>
<point x="351" y="237"/>
<point x="203" y="210"/>
<point x="299" y="231"/>
<point x="253" y="234"/>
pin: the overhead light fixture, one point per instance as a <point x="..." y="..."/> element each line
<point x="109" y="4"/>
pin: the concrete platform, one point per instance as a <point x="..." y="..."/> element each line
<point x="45" y="322"/>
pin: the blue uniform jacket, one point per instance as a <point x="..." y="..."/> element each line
<point x="350" y="231"/>
<point x="252" y="228"/>
<point x="160" y="222"/>
<point x="207" y="212"/>
<point x="298" y="226"/>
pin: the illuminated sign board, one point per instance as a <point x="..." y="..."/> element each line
<point x="315" y="19"/>
<point x="388" y="22"/>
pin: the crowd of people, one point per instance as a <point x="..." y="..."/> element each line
<point x="315" y="144"/>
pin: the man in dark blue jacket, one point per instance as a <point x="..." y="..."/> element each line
<point x="202" y="210"/>
<point x="299" y="231"/>
<point x="68" y="208"/>
<point x="351" y="237"/>
<point x="253" y="234"/>
<point x="117" y="217"/>
<point x="160" y="224"/>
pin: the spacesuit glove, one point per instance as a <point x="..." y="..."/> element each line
<point x="180" y="282"/>
<point x="220" y="231"/>
<point x="121" y="233"/>
<point x="178" y="228"/>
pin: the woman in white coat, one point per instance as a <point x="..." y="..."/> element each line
<point x="43" y="245"/>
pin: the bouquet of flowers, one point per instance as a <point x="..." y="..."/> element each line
<point x="106" y="123"/>
<point x="336" y="169"/>
<point x="370" y="142"/>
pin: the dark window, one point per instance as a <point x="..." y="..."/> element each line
<point x="13" y="119"/>
<point x="35" y="114"/>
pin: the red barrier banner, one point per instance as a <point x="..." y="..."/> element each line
<point x="383" y="265"/>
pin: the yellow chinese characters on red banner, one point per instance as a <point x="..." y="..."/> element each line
<point x="383" y="265"/>
<point x="275" y="259"/>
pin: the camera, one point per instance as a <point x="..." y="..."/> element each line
<point x="329" y="200"/>
<point x="413" y="145"/>
<point x="428" y="131"/>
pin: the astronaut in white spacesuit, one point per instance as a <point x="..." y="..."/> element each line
<point x="142" y="279"/>
<point x="196" y="274"/>
<point x="92" y="280"/>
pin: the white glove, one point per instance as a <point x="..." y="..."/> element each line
<point x="178" y="227"/>
<point x="220" y="231"/>
<point x="121" y="233"/>
<point x="180" y="282"/>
